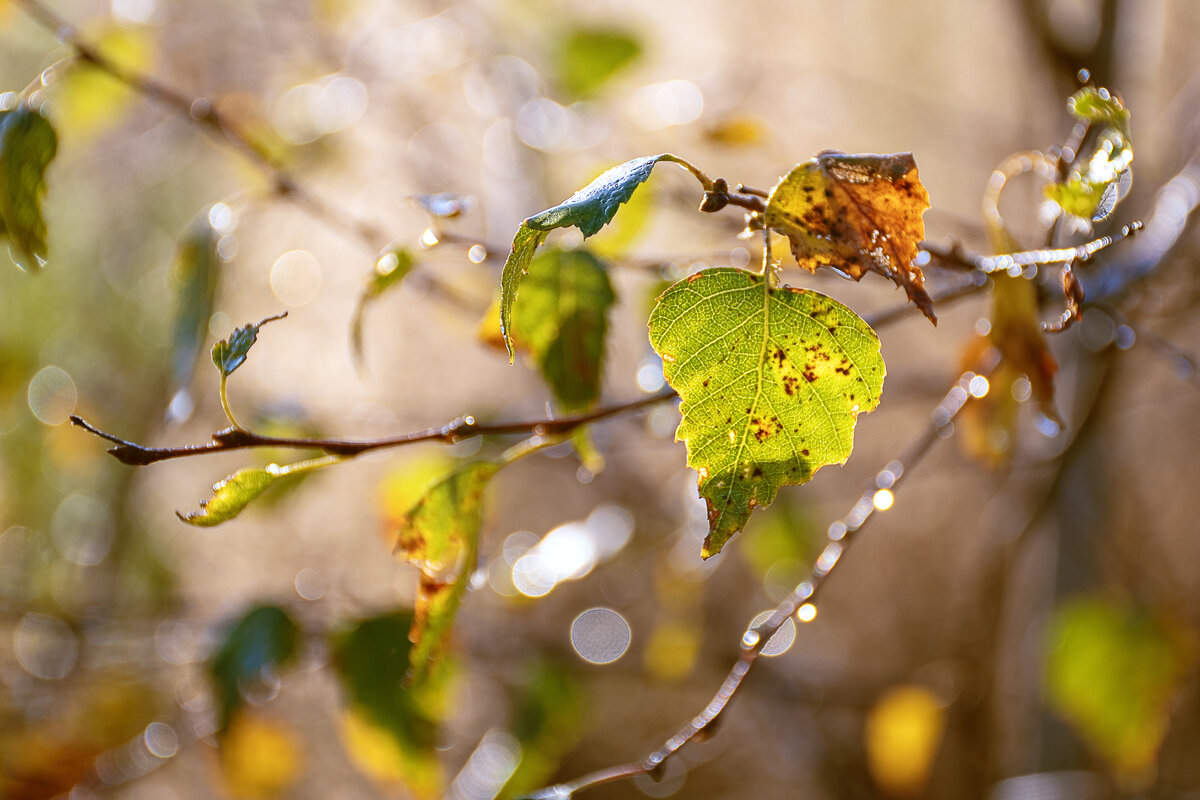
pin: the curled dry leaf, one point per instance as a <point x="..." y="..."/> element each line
<point x="855" y="214"/>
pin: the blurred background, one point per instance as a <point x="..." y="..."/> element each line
<point x="1021" y="623"/>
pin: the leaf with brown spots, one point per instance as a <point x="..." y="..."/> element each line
<point x="772" y="381"/>
<point x="855" y="214"/>
<point x="440" y="535"/>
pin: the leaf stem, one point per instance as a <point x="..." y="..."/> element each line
<point x="456" y="430"/>
<point x="699" y="174"/>
<point x="222" y="390"/>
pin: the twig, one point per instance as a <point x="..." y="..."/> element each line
<point x="954" y="256"/>
<point x="204" y="113"/>
<point x="878" y="496"/>
<point x="454" y="431"/>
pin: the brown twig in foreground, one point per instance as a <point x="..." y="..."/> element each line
<point x="701" y="726"/>
<point x="454" y="431"/>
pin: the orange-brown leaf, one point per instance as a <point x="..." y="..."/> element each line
<point x="856" y="214"/>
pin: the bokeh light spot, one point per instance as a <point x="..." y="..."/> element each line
<point x="52" y="395"/>
<point x="45" y="646"/>
<point x="296" y="278"/>
<point x="600" y="635"/>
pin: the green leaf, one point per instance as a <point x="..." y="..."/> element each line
<point x="516" y="266"/>
<point x="194" y="276"/>
<point x="389" y="270"/>
<point x="772" y="382"/>
<point x="589" y="209"/>
<point x="252" y="650"/>
<point x="562" y="315"/>
<point x="440" y="536"/>
<point x="1098" y="106"/>
<point x="1112" y="671"/>
<point x="28" y="144"/>
<point x="229" y="354"/>
<point x="238" y="490"/>
<point x="1090" y="192"/>
<point x="371" y="658"/>
<point x="855" y="214"/>
<point x="548" y="722"/>
<point x="588" y="58"/>
<point x="230" y="496"/>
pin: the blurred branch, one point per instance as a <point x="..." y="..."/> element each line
<point x="204" y="113"/>
<point x="878" y="496"/>
<point x="455" y="431"/>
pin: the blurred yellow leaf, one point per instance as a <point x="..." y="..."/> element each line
<point x="89" y="100"/>
<point x="376" y="751"/>
<point x="672" y="649"/>
<point x="902" y="735"/>
<point x="737" y="132"/>
<point x="259" y="758"/>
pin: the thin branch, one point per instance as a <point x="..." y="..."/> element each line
<point x="454" y="431"/>
<point x="953" y="255"/>
<point x="877" y="497"/>
<point x="204" y="113"/>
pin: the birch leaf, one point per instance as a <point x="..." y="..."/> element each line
<point x="771" y="381"/>
<point x="229" y="354"/>
<point x="440" y="536"/>
<point x="855" y="214"/>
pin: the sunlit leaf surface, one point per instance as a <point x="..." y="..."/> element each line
<point x="772" y="382"/>
<point x="28" y="144"/>
<point x="440" y="535"/>
<point x="230" y="497"/>
<point x="855" y="214"/>
<point x="1090" y="191"/>
<point x="562" y="317"/>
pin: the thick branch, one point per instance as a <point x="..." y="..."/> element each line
<point x="701" y="726"/>
<point x="454" y="431"/>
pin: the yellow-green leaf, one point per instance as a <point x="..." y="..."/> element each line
<point x="855" y="214"/>
<point x="230" y="496"/>
<point x="28" y="144"/>
<point x="562" y="315"/>
<point x="440" y="536"/>
<point x="389" y="270"/>
<point x="771" y="380"/>
<point x="1112" y="671"/>
<point x="1090" y="191"/>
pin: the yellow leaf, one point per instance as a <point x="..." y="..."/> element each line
<point x="259" y="758"/>
<point x="89" y="100"/>
<point x="377" y="753"/>
<point x="902" y="735"/>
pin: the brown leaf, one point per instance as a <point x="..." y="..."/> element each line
<point x="855" y="214"/>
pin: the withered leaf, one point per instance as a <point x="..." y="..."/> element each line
<point x="855" y="214"/>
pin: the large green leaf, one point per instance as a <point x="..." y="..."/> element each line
<point x="194" y="278"/>
<point x="856" y="214"/>
<point x="371" y="658"/>
<point x="440" y="535"/>
<point x="255" y="647"/>
<point x="27" y="146"/>
<point x="588" y="58"/>
<point x="562" y="315"/>
<point x="229" y="354"/>
<point x="589" y="209"/>
<point x="772" y="382"/>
